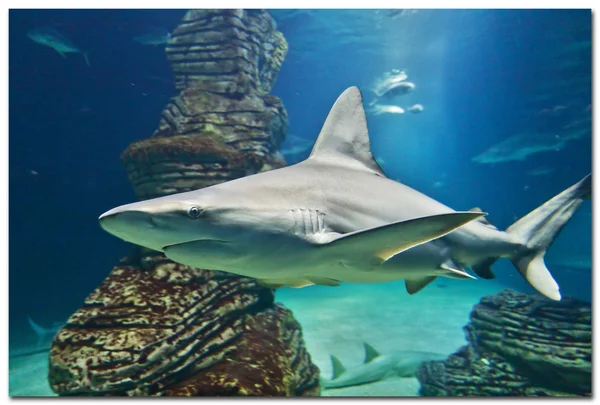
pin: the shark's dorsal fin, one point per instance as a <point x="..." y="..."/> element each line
<point x="482" y="219"/>
<point x="337" y="366"/>
<point x="344" y="138"/>
<point x="370" y="353"/>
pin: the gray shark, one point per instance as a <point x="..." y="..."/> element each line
<point x="155" y="37"/>
<point x="335" y="217"/>
<point x="520" y="146"/>
<point x="377" y="367"/>
<point x="52" y="38"/>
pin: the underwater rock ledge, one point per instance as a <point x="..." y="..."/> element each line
<point x="158" y="328"/>
<point x="519" y="345"/>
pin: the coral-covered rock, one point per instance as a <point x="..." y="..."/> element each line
<point x="161" y="328"/>
<point x="519" y="344"/>
<point x="155" y="327"/>
<point x="232" y="52"/>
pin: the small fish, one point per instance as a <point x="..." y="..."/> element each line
<point x="378" y="367"/>
<point x="158" y="36"/>
<point x="51" y="38"/>
<point x="379" y="109"/>
<point x="416" y="109"/>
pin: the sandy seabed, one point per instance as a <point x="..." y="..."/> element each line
<point x="338" y="320"/>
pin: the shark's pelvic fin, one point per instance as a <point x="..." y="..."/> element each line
<point x="414" y="285"/>
<point x="386" y="241"/>
<point x="370" y="353"/>
<point x="453" y="270"/>
<point x="344" y="138"/>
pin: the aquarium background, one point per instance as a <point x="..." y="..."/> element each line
<point x="481" y="75"/>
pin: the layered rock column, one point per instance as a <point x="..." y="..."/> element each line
<point x="519" y="345"/>
<point x="155" y="327"/>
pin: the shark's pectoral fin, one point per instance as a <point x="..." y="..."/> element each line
<point x="415" y="285"/>
<point x="386" y="241"/>
<point x="64" y="55"/>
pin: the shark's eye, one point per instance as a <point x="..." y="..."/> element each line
<point x="194" y="212"/>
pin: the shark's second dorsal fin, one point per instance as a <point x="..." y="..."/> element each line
<point x="344" y="138"/>
<point x="370" y="353"/>
<point x="482" y="219"/>
<point x="337" y="366"/>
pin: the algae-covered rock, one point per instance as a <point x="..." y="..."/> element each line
<point x="519" y="345"/>
<point x="161" y="328"/>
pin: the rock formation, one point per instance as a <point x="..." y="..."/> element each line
<point x="519" y="345"/>
<point x="155" y="327"/>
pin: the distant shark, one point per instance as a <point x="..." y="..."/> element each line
<point x="377" y="367"/>
<point x="43" y="335"/>
<point x="51" y="38"/>
<point x="521" y="146"/>
<point x="336" y="217"/>
<point x="43" y="332"/>
<point x="155" y="37"/>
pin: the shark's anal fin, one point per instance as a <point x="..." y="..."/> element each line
<point x="484" y="269"/>
<point x="386" y="241"/>
<point x="337" y="367"/>
<point x="414" y="285"/>
<point x="370" y="353"/>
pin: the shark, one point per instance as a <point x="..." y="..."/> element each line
<point x="51" y="38"/>
<point x="377" y="367"/>
<point x="519" y="147"/>
<point x="155" y="37"/>
<point x="43" y="333"/>
<point x="336" y="217"/>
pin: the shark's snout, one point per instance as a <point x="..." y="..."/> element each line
<point x="124" y="223"/>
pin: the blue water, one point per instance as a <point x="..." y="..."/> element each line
<point x="478" y="73"/>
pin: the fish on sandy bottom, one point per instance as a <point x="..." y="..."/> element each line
<point x="336" y="217"/>
<point x="51" y="38"/>
<point x="378" y="367"/>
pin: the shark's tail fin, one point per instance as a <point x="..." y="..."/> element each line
<point x="85" y="56"/>
<point x="39" y="330"/>
<point x="536" y="231"/>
